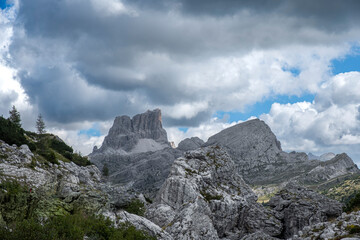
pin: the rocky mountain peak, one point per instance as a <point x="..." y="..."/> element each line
<point x="190" y="144"/>
<point x="144" y="132"/>
<point x="252" y="136"/>
<point x="250" y="144"/>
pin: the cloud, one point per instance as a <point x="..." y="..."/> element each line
<point x="330" y="123"/>
<point x="74" y="58"/>
<point x="79" y="62"/>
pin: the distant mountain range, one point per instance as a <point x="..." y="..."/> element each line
<point x="139" y="155"/>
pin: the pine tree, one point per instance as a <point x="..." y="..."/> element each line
<point x="15" y="116"/>
<point x="40" y="125"/>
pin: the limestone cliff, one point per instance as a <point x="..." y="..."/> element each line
<point x="142" y="133"/>
<point x="137" y="153"/>
<point x="204" y="197"/>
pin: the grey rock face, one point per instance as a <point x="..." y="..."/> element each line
<point x="137" y="153"/>
<point x="205" y="198"/>
<point x="142" y="172"/>
<point x="190" y="144"/>
<point x="326" y="156"/>
<point x="139" y="222"/>
<point x="323" y="157"/>
<point x="258" y="236"/>
<point x="258" y="154"/>
<point x="125" y="133"/>
<point x="300" y="207"/>
<point x="339" y="165"/>
<point x="336" y="229"/>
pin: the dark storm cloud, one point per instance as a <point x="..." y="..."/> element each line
<point x="330" y="15"/>
<point x="145" y="52"/>
<point x="6" y="98"/>
<point x="185" y="122"/>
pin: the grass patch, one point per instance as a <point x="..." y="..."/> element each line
<point x="71" y="227"/>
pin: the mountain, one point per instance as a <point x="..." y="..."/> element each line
<point x="142" y="133"/>
<point x="323" y="157"/>
<point x="136" y="153"/>
<point x="260" y="159"/>
<point x="190" y="144"/>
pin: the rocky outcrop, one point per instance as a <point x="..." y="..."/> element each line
<point x="142" y="172"/>
<point x="258" y="154"/>
<point x="340" y="165"/>
<point x="190" y="144"/>
<point x="137" y="153"/>
<point x="346" y="226"/>
<point x="61" y="189"/>
<point x="205" y="198"/>
<point x="300" y="207"/>
<point x="142" y="133"/>
<point x="75" y="187"/>
<point x="139" y="222"/>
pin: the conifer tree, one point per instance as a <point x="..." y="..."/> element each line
<point x="15" y="116"/>
<point x="40" y="125"/>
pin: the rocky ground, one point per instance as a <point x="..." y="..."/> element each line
<point x="346" y="226"/>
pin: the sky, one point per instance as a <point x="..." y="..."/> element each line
<point x="206" y="64"/>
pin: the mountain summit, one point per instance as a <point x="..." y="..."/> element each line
<point x="137" y="153"/>
<point x="142" y="133"/>
<point x="260" y="159"/>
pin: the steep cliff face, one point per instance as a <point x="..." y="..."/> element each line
<point x="136" y="153"/>
<point x="142" y="133"/>
<point x="260" y="159"/>
<point x="205" y="198"/>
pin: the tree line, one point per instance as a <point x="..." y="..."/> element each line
<point x="16" y="119"/>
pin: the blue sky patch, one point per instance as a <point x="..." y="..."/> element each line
<point x="91" y="132"/>
<point x="4" y="4"/>
<point x="183" y="129"/>
<point x="262" y="107"/>
<point x="350" y="62"/>
<point x="293" y="70"/>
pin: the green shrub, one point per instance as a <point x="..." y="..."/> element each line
<point x="105" y="170"/>
<point x="353" y="204"/>
<point x="353" y="229"/>
<point x="80" y="160"/>
<point x="60" y="146"/>
<point x="49" y="155"/>
<point x="135" y="207"/>
<point x="16" y="203"/>
<point x="11" y="133"/>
